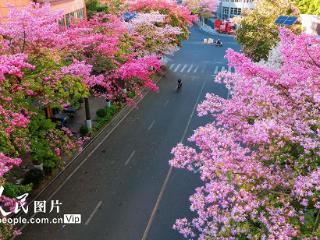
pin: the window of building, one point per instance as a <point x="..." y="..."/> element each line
<point x="226" y="10"/>
<point x="79" y="14"/>
<point x="68" y="18"/>
<point x="225" y="13"/>
<point x="235" y="11"/>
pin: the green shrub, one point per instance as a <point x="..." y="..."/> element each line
<point x="131" y="94"/>
<point x="51" y="162"/>
<point x="6" y="231"/>
<point x="33" y="176"/>
<point x="101" y="112"/>
<point x="111" y="110"/>
<point x="84" y="130"/>
<point x="41" y="152"/>
<point x="102" y="64"/>
<point x="13" y="190"/>
<point x="93" y="6"/>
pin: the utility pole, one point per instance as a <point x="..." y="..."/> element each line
<point x="88" y="115"/>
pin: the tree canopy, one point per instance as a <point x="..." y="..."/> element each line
<point x="309" y="6"/>
<point x="257" y="33"/>
<point x="259" y="156"/>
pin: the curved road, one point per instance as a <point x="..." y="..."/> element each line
<point x="116" y="183"/>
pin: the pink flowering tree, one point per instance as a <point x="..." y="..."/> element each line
<point x="13" y="118"/>
<point x="177" y="15"/>
<point x="35" y="31"/>
<point x="259" y="158"/>
<point x="14" y="122"/>
<point x="116" y="53"/>
<point x="159" y="36"/>
<point x="203" y="8"/>
<point x="36" y="74"/>
<point x="31" y="28"/>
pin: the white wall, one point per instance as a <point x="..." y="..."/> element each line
<point x="239" y="4"/>
<point x="311" y="24"/>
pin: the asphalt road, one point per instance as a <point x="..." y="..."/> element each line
<point x="116" y="187"/>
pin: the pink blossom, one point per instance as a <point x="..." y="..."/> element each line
<point x="258" y="158"/>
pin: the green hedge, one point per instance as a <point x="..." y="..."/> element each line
<point x="13" y="190"/>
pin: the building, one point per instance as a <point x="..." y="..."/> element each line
<point x="310" y="24"/>
<point x="71" y="8"/>
<point x="230" y="8"/>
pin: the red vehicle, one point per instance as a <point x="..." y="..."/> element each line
<point x="223" y="26"/>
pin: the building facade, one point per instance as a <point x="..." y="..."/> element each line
<point x="310" y="24"/>
<point x="230" y="8"/>
<point x="71" y="8"/>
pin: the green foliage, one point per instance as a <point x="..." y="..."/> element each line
<point x="110" y="112"/>
<point x="67" y="88"/>
<point x="6" y="146"/>
<point x="41" y="148"/>
<point x="257" y="33"/>
<point x="83" y="130"/>
<point x="309" y="6"/>
<point x="131" y="94"/>
<point x="6" y="231"/>
<point x="93" y="6"/>
<point x="39" y="125"/>
<point x="114" y="7"/>
<point x="101" y="65"/>
<point x="41" y="152"/>
<point x="33" y="176"/>
<point x="14" y="190"/>
<point x="101" y="112"/>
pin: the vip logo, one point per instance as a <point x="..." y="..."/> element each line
<point x="72" y="218"/>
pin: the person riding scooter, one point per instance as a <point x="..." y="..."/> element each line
<point x="218" y="43"/>
<point x="179" y="84"/>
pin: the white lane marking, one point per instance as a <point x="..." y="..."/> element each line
<point x="130" y="157"/>
<point x="93" y="213"/>
<point x="229" y="69"/>
<point x="166" y="103"/>
<point x="184" y="67"/>
<point x="190" y="68"/>
<point x="223" y="69"/>
<point x="164" y="185"/>
<point x="172" y="65"/>
<point x="176" y="69"/>
<point x="216" y="70"/>
<point x="151" y="125"/>
<point x="196" y="69"/>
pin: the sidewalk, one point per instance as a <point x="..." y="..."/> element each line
<point x="80" y="116"/>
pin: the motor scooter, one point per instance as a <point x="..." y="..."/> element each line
<point x="218" y="44"/>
